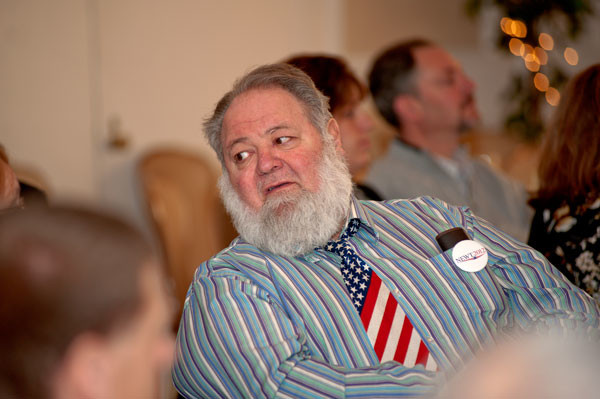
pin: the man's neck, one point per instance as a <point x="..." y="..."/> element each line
<point x="440" y="143"/>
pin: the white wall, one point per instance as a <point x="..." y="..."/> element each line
<point x="73" y="72"/>
<point x="44" y="92"/>
<point x="71" y="68"/>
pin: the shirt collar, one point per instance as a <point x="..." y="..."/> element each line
<point x="358" y="210"/>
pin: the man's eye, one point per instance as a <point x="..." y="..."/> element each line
<point x="282" y="139"/>
<point x="240" y="156"/>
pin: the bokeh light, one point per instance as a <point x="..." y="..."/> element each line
<point x="540" y="81"/>
<point x="513" y="27"/>
<point x="516" y="46"/>
<point x="540" y="55"/>
<point x="504" y="25"/>
<point x="533" y="66"/>
<point x="518" y="28"/>
<point x="552" y="96"/>
<point x="571" y="56"/>
<point x="528" y="53"/>
<point x="546" y="41"/>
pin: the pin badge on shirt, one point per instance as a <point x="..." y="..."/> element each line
<point x="467" y="254"/>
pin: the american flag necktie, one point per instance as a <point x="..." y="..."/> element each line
<point x="390" y="331"/>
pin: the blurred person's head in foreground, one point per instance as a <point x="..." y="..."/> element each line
<point x="570" y="166"/>
<point x="530" y="367"/>
<point x="9" y="184"/>
<point x="83" y="306"/>
<point x="334" y="78"/>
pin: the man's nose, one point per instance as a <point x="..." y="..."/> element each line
<point x="268" y="161"/>
<point x="468" y="84"/>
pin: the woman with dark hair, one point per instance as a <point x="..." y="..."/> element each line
<point x="333" y="78"/>
<point x="566" y="226"/>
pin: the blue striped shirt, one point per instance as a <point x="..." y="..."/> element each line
<point x="260" y="325"/>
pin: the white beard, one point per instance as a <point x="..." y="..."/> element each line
<point x="295" y="223"/>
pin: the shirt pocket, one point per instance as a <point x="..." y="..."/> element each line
<point x="477" y="293"/>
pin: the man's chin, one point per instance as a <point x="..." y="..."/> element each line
<point x="281" y="204"/>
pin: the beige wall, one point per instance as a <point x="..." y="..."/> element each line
<point x="44" y="92"/>
<point x="75" y="72"/>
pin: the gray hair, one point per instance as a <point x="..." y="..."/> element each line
<point x="283" y="76"/>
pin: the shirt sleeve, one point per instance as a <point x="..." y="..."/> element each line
<point x="540" y="297"/>
<point x="236" y="340"/>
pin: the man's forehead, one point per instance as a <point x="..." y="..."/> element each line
<point x="434" y="59"/>
<point x="258" y="110"/>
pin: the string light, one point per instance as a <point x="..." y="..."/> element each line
<point x="516" y="46"/>
<point x="528" y="53"/>
<point x="571" y="56"/>
<point x="533" y="66"/>
<point x="513" y="27"/>
<point x="552" y="96"/>
<point x="540" y="55"/>
<point x="535" y="57"/>
<point x="504" y="22"/>
<point x="546" y="41"/>
<point x="541" y="82"/>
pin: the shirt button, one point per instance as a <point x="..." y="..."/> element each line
<point x="396" y="291"/>
<point x="430" y="339"/>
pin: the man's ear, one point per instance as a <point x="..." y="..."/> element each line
<point x="407" y="108"/>
<point x="84" y="371"/>
<point x="334" y="130"/>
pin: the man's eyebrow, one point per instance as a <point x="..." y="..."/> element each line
<point x="276" y="128"/>
<point x="269" y="131"/>
<point x="236" y="141"/>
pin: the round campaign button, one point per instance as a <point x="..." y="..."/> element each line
<point x="470" y="255"/>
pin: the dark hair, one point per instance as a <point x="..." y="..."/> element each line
<point x="331" y="75"/>
<point x="281" y="75"/>
<point x="63" y="271"/>
<point x="392" y="74"/>
<point x="570" y="159"/>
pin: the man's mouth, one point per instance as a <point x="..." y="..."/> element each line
<point x="277" y="187"/>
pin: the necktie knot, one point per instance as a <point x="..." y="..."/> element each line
<point x="338" y="246"/>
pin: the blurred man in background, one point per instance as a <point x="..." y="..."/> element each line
<point x="424" y="94"/>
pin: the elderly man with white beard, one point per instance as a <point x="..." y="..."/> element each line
<point x="323" y="295"/>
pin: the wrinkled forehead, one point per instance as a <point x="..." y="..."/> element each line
<point x="258" y="110"/>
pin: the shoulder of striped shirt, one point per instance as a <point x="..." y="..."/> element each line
<point x="227" y="262"/>
<point x="423" y="205"/>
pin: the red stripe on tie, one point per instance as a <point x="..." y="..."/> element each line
<point x="385" y="326"/>
<point x="403" y="341"/>
<point x="370" y="300"/>
<point x="422" y="355"/>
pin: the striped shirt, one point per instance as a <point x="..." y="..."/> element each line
<point x="260" y="325"/>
